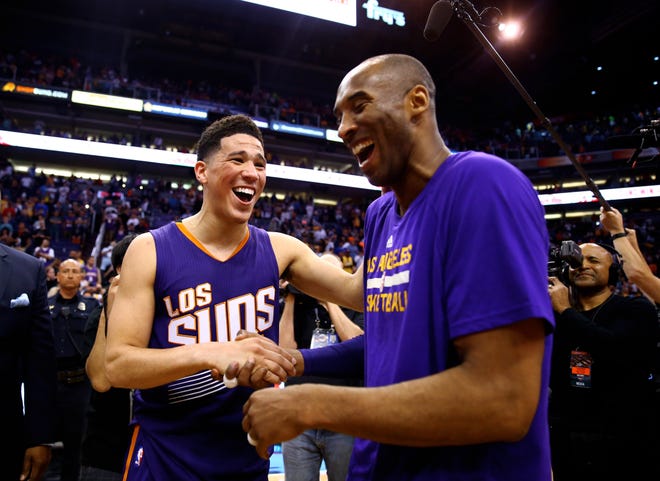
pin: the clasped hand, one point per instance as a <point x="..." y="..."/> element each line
<point x="273" y="366"/>
<point x="559" y="295"/>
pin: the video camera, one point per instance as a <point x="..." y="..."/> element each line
<point x="567" y="255"/>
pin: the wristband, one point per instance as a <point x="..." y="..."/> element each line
<point x="619" y="235"/>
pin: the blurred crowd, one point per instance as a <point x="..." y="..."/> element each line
<point x="84" y="218"/>
<point x="73" y="217"/>
<point x="56" y="218"/>
<point x="582" y="131"/>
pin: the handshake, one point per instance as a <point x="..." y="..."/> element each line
<point x="267" y="364"/>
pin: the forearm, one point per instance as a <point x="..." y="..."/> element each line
<point x="135" y="367"/>
<point x="143" y="368"/>
<point x="346" y="329"/>
<point x="636" y="269"/>
<point x="95" y="365"/>
<point x="450" y="408"/>
<point x="345" y="359"/>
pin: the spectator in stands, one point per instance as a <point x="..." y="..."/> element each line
<point x="106" y="256"/>
<point x="68" y="223"/>
<point x="51" y="277"/>
<point x="92" y="279"/>
<point x="5" y="237"/>
<point x="44" y="252"/>
<point x="76" y="255"/>
<point x="39" y="226"/>
<point x="23" y="238"/>
<point x="6" y="224"/>
<point x="41" y="208"/>
<point x="134" y="220"/>
<point x="54" y="222"/>
<point x="347" y="260"/>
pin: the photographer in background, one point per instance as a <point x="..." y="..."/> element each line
<point x="632" y="259"/>
<point x="601" y="403"/>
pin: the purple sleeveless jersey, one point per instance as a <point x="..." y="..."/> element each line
<point x="191" y="429"/>
<point x="469" y="255"/>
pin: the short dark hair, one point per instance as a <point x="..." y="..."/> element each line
<point x="119" y="250"/>
<point x="212" y="136"/>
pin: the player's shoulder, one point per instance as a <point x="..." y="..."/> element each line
<point x="280" y="240"/>
<point x="286" y="247"/>
<point x="142" y="240"/>
<point x="141" y="246"/>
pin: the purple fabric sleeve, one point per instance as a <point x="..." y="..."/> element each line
<point x="345" y="359"/>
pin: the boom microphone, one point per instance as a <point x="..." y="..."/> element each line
<point x="439" y="17"/>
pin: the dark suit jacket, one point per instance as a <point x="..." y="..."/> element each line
<point x="27" y="356"/>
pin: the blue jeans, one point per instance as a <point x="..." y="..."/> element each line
<point x="302" y="456"/>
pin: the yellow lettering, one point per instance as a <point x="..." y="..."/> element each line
<point x="372" y="303"/>
<point x="371" y="264"/>
<point x="396" y="302"/>
<point x="406" y="254"/>
<point x="382" y="263"/>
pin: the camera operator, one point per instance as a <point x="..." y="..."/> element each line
<point x="632" y="259"/>
<point x="601" y="403"/>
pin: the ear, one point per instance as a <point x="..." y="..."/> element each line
<point x="418" y="100"/>
<point x="200" y="172"/>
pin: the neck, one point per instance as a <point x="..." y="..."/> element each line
<point x="418" y="176"/>
<point x="68" y="293"/>
<point x="590" y="301"/>
<point x="220" y="238"/>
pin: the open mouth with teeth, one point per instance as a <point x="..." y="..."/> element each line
<point x="244" y="194"/>
<point x="363" y="150"/>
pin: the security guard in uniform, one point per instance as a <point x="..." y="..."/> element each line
<point x="70" y="311"/>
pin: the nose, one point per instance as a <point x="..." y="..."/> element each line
<point x="249" y="170"/>
<point x="346" y="128"/>
<point x="586" y="265"/>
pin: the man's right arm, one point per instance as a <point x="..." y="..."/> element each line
<point x="316" y="277"/>
<point x="95" y="361"/>
<point x="130" y="363"/>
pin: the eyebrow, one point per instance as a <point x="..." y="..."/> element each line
<point x="242" y="153"/>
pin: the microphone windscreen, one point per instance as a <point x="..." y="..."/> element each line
<point x="439" y="17"/>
